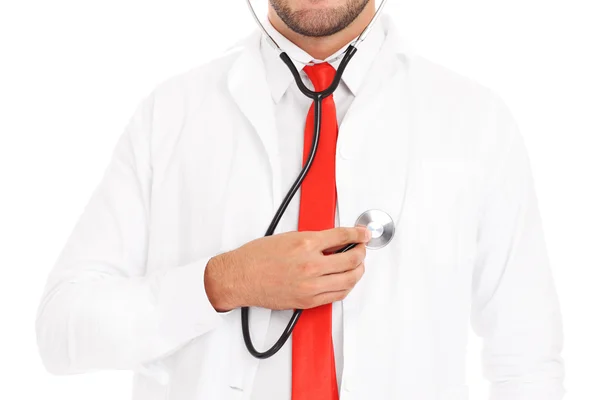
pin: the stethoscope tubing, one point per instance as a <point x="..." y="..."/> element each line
<point x="317" y="101"/>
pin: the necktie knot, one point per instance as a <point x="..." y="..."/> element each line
<point x="321" y="75"/>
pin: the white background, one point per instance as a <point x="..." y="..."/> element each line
<point x="71" y="73"/>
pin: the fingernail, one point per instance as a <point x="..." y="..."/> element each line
<point x="368" y="234"/>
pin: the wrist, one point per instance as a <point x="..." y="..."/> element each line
<point x="219" y="284"/>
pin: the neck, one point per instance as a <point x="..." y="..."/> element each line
<point x="322" y="47"/>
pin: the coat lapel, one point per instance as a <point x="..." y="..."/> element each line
<point x="249" y="89"/>
<point x="374" y="139"/>
<point x="372" y="171"/>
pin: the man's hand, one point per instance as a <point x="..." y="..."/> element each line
<point x="288" y="270"/>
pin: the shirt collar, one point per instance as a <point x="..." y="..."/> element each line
<point x="279" y="77"/>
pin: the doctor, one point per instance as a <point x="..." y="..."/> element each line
<point x="171" y="245"/>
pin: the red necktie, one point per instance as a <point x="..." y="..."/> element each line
<point x="313" y="362"/>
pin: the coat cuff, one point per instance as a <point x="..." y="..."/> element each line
<point x="183" y="308"/>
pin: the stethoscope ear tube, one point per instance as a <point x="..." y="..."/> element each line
<point x="348" y="54"/>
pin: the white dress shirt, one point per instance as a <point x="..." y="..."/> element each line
<point x="273" y="379"/>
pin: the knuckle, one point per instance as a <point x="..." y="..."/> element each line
<point x="305" y="243"/>
<point x="345" y="235"/>
<point x="356" y="258"/>
<point x="360" y="271"/>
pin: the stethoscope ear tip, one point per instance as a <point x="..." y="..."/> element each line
<point x="381" y="226"/>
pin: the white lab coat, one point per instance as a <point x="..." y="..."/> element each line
<point x="196" y="173"/>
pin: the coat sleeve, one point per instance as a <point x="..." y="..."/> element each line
<point x="100" y="309"/>
<point x="515" y="309"/>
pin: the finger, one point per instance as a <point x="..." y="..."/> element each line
<point x="328" y="298"/>
<point x="341" y="262"/>
<point x="335" y="249"/>
<point x="340" y="281"/>
<point x="343" y="235"/>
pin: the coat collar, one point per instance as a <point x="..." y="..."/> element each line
<point x="246" y="81"/>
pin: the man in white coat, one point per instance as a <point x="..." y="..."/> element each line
<point x="171" y="245"/>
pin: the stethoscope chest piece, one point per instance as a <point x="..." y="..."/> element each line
<point x="381" y="226"/>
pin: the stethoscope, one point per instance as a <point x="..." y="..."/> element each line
<point x="378" y="222"/>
